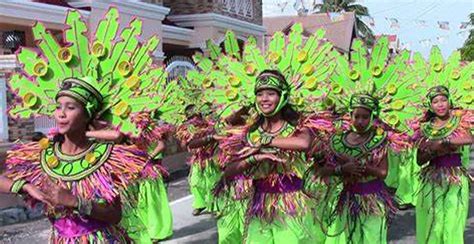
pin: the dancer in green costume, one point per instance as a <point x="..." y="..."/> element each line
<point x="103" y="76"/>
<point x="204" y="172"/>
<point x="230" y="195"/>
<point x="278" y="211"/>
<point x="230" y="81"/>
<point x="443" y="137"/>
<point x="373" y="106"/>
<point x="152" y="208"/>
<point x="329" y="231"/>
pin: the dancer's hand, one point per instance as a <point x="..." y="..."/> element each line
<point x="98" y="124"/>
<point x="353" y="169"/>
<point x="218" y="137"/>
<point x="59" y="196"/>
<point x="36" y="193"/>
<point x="247" y="151"/>
<point x="436" y="146"/>
<point x="268" y="156"/>
<point x="343" y="159"/>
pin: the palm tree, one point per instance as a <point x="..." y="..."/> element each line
<point x="467" y="51"/>
<point x="337" y="6"/>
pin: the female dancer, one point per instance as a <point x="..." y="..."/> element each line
<point x="371" y="104"/>
<point x="152" y="208"/>
<point x="85" y="180"/>
<point x="443" y="137"/>
<point x="81" y="178"/>
<point x="204" y="171"/>
<point x="278" y="209"/>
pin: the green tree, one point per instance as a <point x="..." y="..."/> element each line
<point x="337" y="6"/>
<point x="467" y="51"/>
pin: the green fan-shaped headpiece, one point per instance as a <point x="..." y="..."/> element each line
<point x="118" y="67"/>
<point x="228" y="77"/>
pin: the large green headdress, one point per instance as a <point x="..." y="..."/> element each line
<point x="451" y="78"/>
<point x="117" y="67"/>
<point x="376" y="81"/>
<point x="190" y="96"/>
<point x="228" y="76"/>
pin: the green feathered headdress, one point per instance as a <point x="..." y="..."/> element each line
<point x="435" y="73"/>
<point x="119" y="67"/>
<point x="377" y="82"/>
<point x="228" y="76"/>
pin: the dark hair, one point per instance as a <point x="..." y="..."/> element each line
<point x="288" y="114"/>
<point x="58" y="138"/>
<point x="37" y="136"/>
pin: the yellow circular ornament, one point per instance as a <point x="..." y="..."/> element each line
<point x="393" y="120"/>
<point x="274" y="57"/>
<point x="336" y="88"/>
<point x="311" y="83"/>
<point x="458" y="113"/>
<point x="40" y="68"/>
<point x="468" y="99"/>
<point x="30" y="100"/>
<point x="302" y="56"/>
<point x="255" y="138"/>
<point x="391" y="89"/>
<point x="455" y="74"/>
<point x="298" y="101"/>
<point x="354" y="74"/>
<point x="437" y="67"/>
<point x="52" y="162"/>
<point x="43" y="143"/>
<point x="398" y="105"/>
<point x="231" y="94"/>
<point x="379" y="131"/>
<point x="467" y="85"/>
<point x="91" y="158"/>
<point x="376" y="71"/>
<point x="64" y="55"/>
<point x="98" y="49"/>
<point x="250" y="69"/>
<point x="122" y="109"/>
<point x="132" y="82"/>
<point x="308" y="69"/>
<point x="125" y="68"/>
<point x="206" y="83"/>
<point x="234" y="81"/>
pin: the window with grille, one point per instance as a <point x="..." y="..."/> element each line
<point x="242" y="8"/>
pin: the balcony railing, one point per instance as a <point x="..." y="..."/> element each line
<point x="242" y="8"/>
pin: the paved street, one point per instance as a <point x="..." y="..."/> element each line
<point x="189" y="229"/>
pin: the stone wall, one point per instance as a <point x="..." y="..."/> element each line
<point x="211" y="6"/>
<point x="20" y="129"/>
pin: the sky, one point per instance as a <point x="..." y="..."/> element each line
<point x="417" y="20"/>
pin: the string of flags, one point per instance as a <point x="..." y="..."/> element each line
<point x="305" y="7"/>
<point x="394" y="23"/>
<point x="462" y="29"/>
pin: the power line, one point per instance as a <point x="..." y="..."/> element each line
<point x="391" y="9"/>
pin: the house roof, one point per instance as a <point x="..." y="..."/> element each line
<point x="339" y="31"/>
